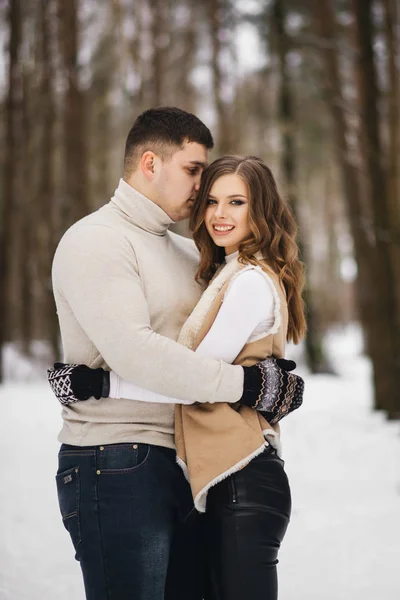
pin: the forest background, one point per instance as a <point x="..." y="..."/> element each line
<point x="310" y="86"/>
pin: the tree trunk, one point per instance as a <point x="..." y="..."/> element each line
<point x="224" y="138"/>
<point x="26" y="219"/>
<point x="12" y="110"/>
<point x="187" y="91"/>
<point x="371" y="151"/>
<point x="393" y="132"/>
<point x="159" y="23"/>
<point x="368" y="292"/>
<point x="76" y="201"/>
<point x="46" y="231"/>
<point x="316" y="358"/>
<point x="392" y="44"/>
<point x="105" y="71"/>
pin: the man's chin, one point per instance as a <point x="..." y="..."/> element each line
<point x="182" y="217"/>
<point x="185" y="213"/>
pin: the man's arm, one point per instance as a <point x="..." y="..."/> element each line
<point x="94" y="270"/>
<point x="248" y="303"/>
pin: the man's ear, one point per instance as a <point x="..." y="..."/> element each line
<point x="147" y="164"/>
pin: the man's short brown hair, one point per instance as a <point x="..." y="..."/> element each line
<point x="163" y="131"/>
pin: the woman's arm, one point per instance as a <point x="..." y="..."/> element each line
<point x="248" y="302"/>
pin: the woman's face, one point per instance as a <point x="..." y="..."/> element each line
<point x="227" y="213"/>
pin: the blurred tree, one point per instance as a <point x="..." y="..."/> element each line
<point x="12" y="140"/>
<point x="186" y="45"/>
<point x="159" y="29"/>
<point x="47" y="234"/>
<point x="392" y="39"/>
<point x="26" y="213"/>
<point x="315" y="355"/>
<point x="74" y="117"/>
<point x="103" y="69"/>
<point x="388" y="323"/>
<point x="216" y="14"/>
<point x="369" y="295"/>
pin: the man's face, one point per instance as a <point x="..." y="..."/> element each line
<point x="177" y="180"/>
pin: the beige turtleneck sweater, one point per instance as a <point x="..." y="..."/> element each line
<point x="124" y="285"/>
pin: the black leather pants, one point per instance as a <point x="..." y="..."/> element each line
<point x="246" y="520"/>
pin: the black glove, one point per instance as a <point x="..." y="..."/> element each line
<point x="71" y="383"/>
<point x="271" y="389"/>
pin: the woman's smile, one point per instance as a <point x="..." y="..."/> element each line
<point x="222" y="229"/>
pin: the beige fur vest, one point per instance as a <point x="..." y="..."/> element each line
<point x="215" y="440"/>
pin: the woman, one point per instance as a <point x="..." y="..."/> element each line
<point x="249" y="261"/>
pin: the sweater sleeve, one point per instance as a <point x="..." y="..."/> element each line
<point x="95" y="271"/>
<point x="248" y="302"/>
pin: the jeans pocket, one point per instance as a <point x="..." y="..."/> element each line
<point x="122" y="459"/>
<point x="68" y="491"/>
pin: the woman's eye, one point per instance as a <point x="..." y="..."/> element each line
<point x="210" y="201"/>
<point x="237" y="202"/>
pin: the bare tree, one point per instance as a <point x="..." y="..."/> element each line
<point x="75" y="172"/>
<point x="187" y="58"/>
<point x="392" y="39"/>
<point x="159" y="31"/>
<point x="46" y="230"/>
<point x="13" y="113"/>
<point x="393" y="50"/>
<point x="215" y="15"/>
<point x="374" y="321"/>
<point x="25" y="215"/>
<point x="372" y="152"/>
<point x="314" y="341"/>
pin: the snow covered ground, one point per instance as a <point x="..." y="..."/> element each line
<point x="343" y="462"/>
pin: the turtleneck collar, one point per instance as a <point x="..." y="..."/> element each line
<point x="230" y="257"/>
<point x="141" y="211"/>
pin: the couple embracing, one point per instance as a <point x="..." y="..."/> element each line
<point x="170" y="479"/>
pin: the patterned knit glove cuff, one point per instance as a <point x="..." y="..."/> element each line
<point x="253" y="383"/>
<point x="73" y="383"/>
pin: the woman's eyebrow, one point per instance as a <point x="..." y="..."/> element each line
<point x="230" y="196"/>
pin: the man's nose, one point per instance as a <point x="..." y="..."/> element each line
<point x="197" y="183"/>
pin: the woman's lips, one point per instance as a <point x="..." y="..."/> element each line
<point x="221" y="230"/>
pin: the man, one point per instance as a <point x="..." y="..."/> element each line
<point x="124" y="285"/>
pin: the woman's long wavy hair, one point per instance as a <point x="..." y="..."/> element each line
<point x="273" y="232"/>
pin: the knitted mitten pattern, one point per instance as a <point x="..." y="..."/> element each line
<point x="59" y="379"/>
<point x="73" y="383"/>
<point x="271" y="389"/>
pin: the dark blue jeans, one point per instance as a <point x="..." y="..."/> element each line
<point x="130" y="515"/>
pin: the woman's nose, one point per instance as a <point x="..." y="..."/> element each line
<point x="220" y="212"/>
